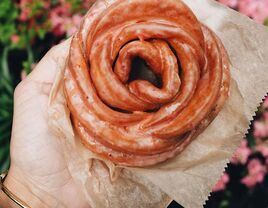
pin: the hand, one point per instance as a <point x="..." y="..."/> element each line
<point x="38" y="174"/>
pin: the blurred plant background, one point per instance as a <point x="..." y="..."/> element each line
<point x="28" y="28"/>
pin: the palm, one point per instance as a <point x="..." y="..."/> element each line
<point x="35" y="151"/>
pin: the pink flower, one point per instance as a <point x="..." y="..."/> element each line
<point x="25" y="10"/>
<point x="57" y="24"/>
<point x="59" y="16"/>
<point x="24" y="15"/>
<point x="257" y="9"/>
<point x="46" y="4"/>
<point x="251" y="181"/>
<point x="73" y="24"/>
<point x="15" y="39"/>
<point x="263" y="149"/>
<point x="255" y="166"/>
<point x="241" y="154"/>
<point x="230" y="3"/>
<point x="260" y="129"/>
<point x="256" y="173"/>
<point x="221" y="184"/>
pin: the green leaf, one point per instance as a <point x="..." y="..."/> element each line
<point x="5" y="101"/>
<point x="54" y="2"/>
<point x="14" y="14"/>
<point x="224" y="204"/>
<point x="4" y="64"/>
<point x="36" y="8"/>
<point x="6" y="98"/>
<point x="6" y="109"/>
<point x="4" y="113"/>
<point x="7" y="85"/>
<point x="22" y="43"/>
<point x="6" y="7"/>
<point x="251" y="140"/>
<point x="41" y="33"/>
<point x="6" y="31"/>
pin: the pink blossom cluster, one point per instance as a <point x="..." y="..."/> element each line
<point x="25" y="10"/>
<point x="261" y="125"/>
<point x="61" y="18"/>
<point x="256" y="173"/>
<point x="261" y="131"/>
<point x="62" y="21"/>
<point x="221" y="184"/>
<point x="256" y="170"/>
<point x="242" y="153"/>
<point x="256" y="9"/>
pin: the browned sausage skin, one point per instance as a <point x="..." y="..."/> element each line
<point x="152" y="124"/>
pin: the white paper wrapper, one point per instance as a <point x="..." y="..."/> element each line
<point x="190" y="176"/>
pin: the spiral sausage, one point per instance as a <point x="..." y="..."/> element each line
<point x="135" y="123"/>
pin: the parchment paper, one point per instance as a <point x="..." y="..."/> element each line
<point x="190" y="176"/>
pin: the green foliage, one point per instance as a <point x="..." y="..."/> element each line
<point x="8" y="15"/>
<point x="37" y="25"/>
<point x="6" y="109"/>
<point x="36" y="8"/>
<point x="76" y="6"/>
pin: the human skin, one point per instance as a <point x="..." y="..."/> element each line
<point x="38" y="173"/>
